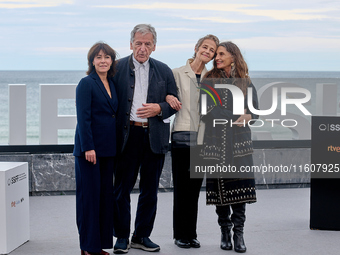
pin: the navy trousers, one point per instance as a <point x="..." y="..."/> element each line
<point x="136" y="157"/>
<point x="94" y="203"/>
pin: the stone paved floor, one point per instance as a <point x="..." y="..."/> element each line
<point x="277" y="224"/>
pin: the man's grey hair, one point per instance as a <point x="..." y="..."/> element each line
<point x="144" y="29"/>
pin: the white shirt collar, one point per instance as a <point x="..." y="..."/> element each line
<point x="137" y="64"/>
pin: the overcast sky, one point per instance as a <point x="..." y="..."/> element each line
<point x="283" y="35"/>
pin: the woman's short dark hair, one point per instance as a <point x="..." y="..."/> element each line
<point x="94" y="51"/>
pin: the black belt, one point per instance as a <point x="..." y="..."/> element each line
<point x="139" y="124"/>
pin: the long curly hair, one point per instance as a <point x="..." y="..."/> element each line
<point x="238" y="71"/>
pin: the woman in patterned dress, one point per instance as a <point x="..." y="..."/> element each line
<point x="229" y="145"/>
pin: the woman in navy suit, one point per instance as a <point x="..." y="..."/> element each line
<point x="94" y="151"/>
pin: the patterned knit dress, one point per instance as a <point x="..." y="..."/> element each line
<point x="227" y="146"/>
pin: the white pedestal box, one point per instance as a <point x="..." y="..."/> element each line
<point x="14" y="205"/>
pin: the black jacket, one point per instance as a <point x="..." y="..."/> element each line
<point x="161" y="84"/>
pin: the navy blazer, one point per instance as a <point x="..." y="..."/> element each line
<point x="96" y="117"/>
<point x="161" y="84"/>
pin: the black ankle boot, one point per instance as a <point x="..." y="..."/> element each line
<point x="226" y="239"/>
<point x="226" y="225"/>
<point x="239" y="244"/>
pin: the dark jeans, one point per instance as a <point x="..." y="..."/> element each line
<point x="136" y="157"/>
<point x="186" y="194"/>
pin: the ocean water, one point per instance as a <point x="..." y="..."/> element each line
<point x="32" y="79"/>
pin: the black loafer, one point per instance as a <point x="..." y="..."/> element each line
<point x="194" y="243"/>
<point x="182" y="243"/>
